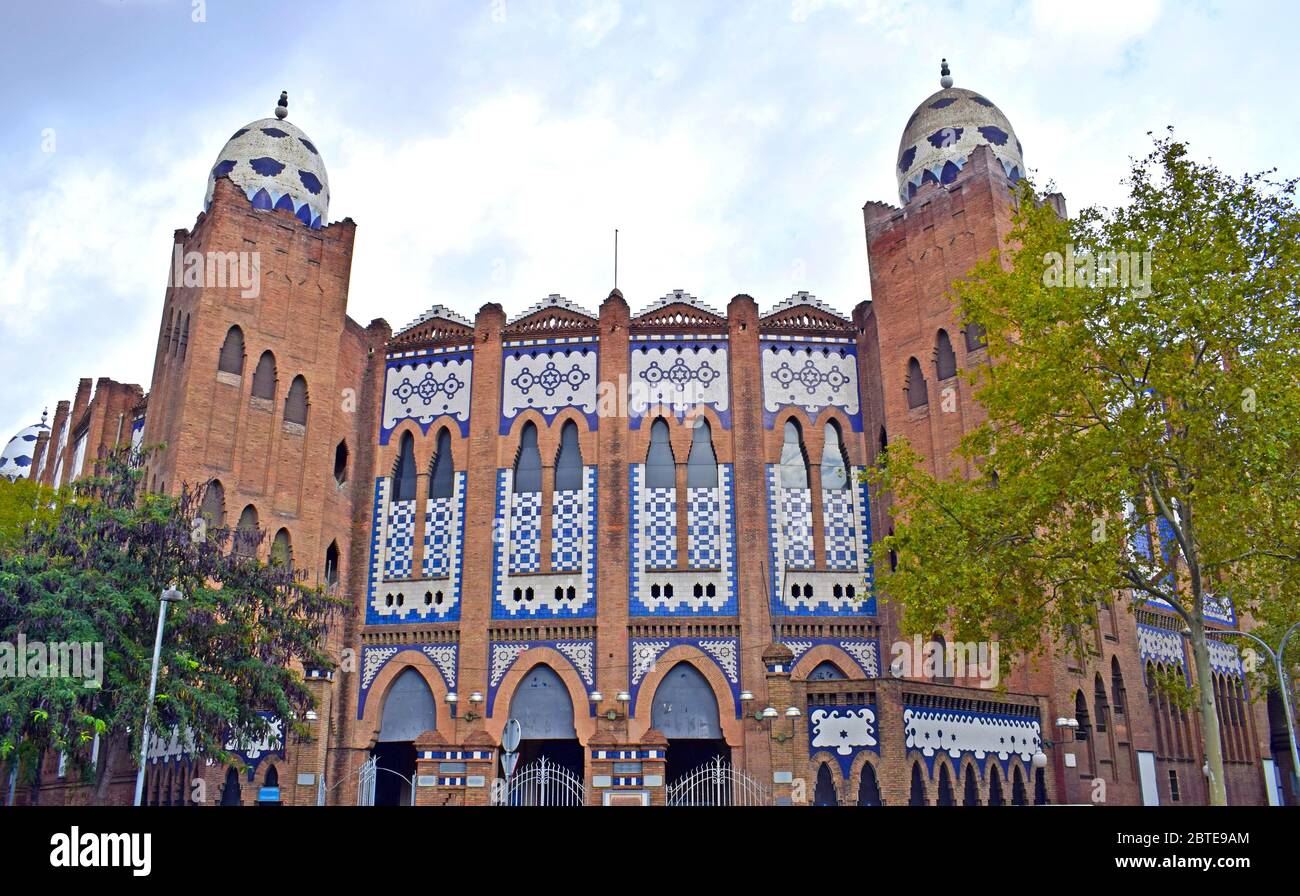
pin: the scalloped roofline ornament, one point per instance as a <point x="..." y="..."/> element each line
<point x="554" y="300"/>
<point x="441" y="312"/>
<point x="804" y="298"/>
<point x="679" y="296"/>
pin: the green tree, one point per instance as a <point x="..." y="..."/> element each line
<point x="232" y="648"/>
<point x="24" y="504"/>
<point x="1144" y="430"/>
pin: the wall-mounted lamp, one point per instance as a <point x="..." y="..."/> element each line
<point x="476" y="700"/>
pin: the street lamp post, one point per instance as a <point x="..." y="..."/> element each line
<point x="168" y="596"/>
<point x="1283" y="686"/>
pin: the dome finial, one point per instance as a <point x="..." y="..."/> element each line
<point x="282" y="107"/>
<point x="45" y="413"/>
<point x="945" y="76"/>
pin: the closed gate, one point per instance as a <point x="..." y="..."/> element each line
<point x="366" y="782"/>
<point x="716" y="783"/>
<point x="542" y="783"/>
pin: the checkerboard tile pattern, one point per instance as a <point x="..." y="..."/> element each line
<point x="525" y="532"/>
<point x="567" y="519"/>
<point x="840" y="529"/>
<point x="659" y="525"/>
<point x="796" y="525"/>
<point x="704" y="528"/>
<point x="439" y="520"/>
<point x="399" y="540"/>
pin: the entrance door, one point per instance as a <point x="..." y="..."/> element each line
<point x="1147" y="773"/>
<point x="409" y="711"/>
<point x="686" y="712"/>
<point x="545" y="713"/>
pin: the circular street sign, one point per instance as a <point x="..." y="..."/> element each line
<point x="510" y="737"/>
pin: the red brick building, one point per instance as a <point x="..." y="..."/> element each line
<point x="640" y="533"/>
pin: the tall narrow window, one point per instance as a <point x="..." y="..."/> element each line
<point x="1101" y="704"/>
<point x="660" y="465"/>
<point x="917" y="795"/>
<point x="247" y="535"/>
<point x="404" y="470"/>
<point x="442" y="476"/>
<point x="945" y="361"/>
<point x="185" y="336"/>
<point x="568" y="461"/>
<point x="341" y="462"/>
<point x="264" y="377"/>
<point x="231" y="359"/>
<point x="916" y="394"/>
<point x="945" y="787"/>
<point x="1118" y="695"/>
<point x="213" y="508"/>
<point x="996" y="797"/>
<point x="835" y="464"/>
<point x="975" y="337"/>
<point x="282" y="549"/>
<point x="794" y="458"/>
<point x="528" y="462"/>
<point x="295" y="403"/>
<point x="332" y="564"/>
<point x="1019" y="797"/>
<point x="701" y="463"/>
<point x="970" y="794"/>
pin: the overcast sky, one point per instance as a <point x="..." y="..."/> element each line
<point x="487" y="149"/>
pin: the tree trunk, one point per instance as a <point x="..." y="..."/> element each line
<point x="1209" y="713"/>
<point x="104" y="773"/>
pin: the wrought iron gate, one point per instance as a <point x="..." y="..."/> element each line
<point x="542" y="783"/>
<point x="366" y="782"/>
<point x="716" y="783"/>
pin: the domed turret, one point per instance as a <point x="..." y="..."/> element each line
<point x="945" y="129"/>
<point x="17" y="458"/>
<point x="276" y="166"/>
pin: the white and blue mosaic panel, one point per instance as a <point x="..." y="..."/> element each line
<point x="706" y="586"/>
<point x="704" y="528"/>
<point x="845" y="585"/>
<point x="644" y="653"/>
<point x="864" y="651"/>
<point x="839" y="519"/>
<point x="444" y="534"/>
<point x="844" y="731"/>
<point x="980" y="735"/>
<point x="373" y="659"/>
<point x="392" y="596"/>
<point x="520" y="589"/>
<point x="568" y="530"/>
<point x="811" y="376"/>
<point x="525" y="532"/>
<point x="503" y="654"/>
<point x="659" y="527"/>
<point x="399" y="540"/>
<point x="549" y="379"/>
<point x="1217" y="609"/>
<point x="425" y="388"/>
<point x="1225" y="658"/>
<point x="678" y="375"/>
<point x="1161" y="645"/>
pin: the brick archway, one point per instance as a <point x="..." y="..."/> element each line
<point x="732" y="731"/>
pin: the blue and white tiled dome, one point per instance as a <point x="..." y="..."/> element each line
<point x="277" y="167"/>
<point x="16" y="460"/>
<point x="943" y="132"/>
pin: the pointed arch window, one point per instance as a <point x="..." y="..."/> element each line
<point x="568" y="460"/>
<point x="996" y="797"/>
<point x="702" y="462"/>
<point x="976" y="337"/>
<point x="917" y="796"/>
<point x="264" y="377"/>
<point x="332" y="564"/>
<point x="247" y="534"/>
<point x="946" y="797"/>
<point x="835" y="460"/>
<point x="971" y="790"/>
<point x="1118" y="694"/>
<point x="660" y="465"/>
<point x="341" y="462"/>
<point x="945" y="360"/>
<point x="1018" y="795"/>
<point x="404" y="470"/>
<point x="794" y="457"/>
<point x="868" y="787"/>
<point x="826" y="671"/>
<point x="528" y="462"/>
<point x="916" y="390"/>
<point x="1101" y="703"/>
<point x="282" y="549"/>
<point x="213" y="508"/>
<point x="295" y="403"/>
<point x="442" y="474"/>
<point x="231" y="359"/>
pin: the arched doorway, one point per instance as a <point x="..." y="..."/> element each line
<point x="409" y="711"/>
<point x="544" y="709"/>
<point x="685" y="711"/>
<point x="868" y="786"/>
<point x="824" y="795"/>
<point x="230" y="791"/>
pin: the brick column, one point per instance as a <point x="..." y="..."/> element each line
<point x="786" y="766"/>
<point x="629" y="772"/>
